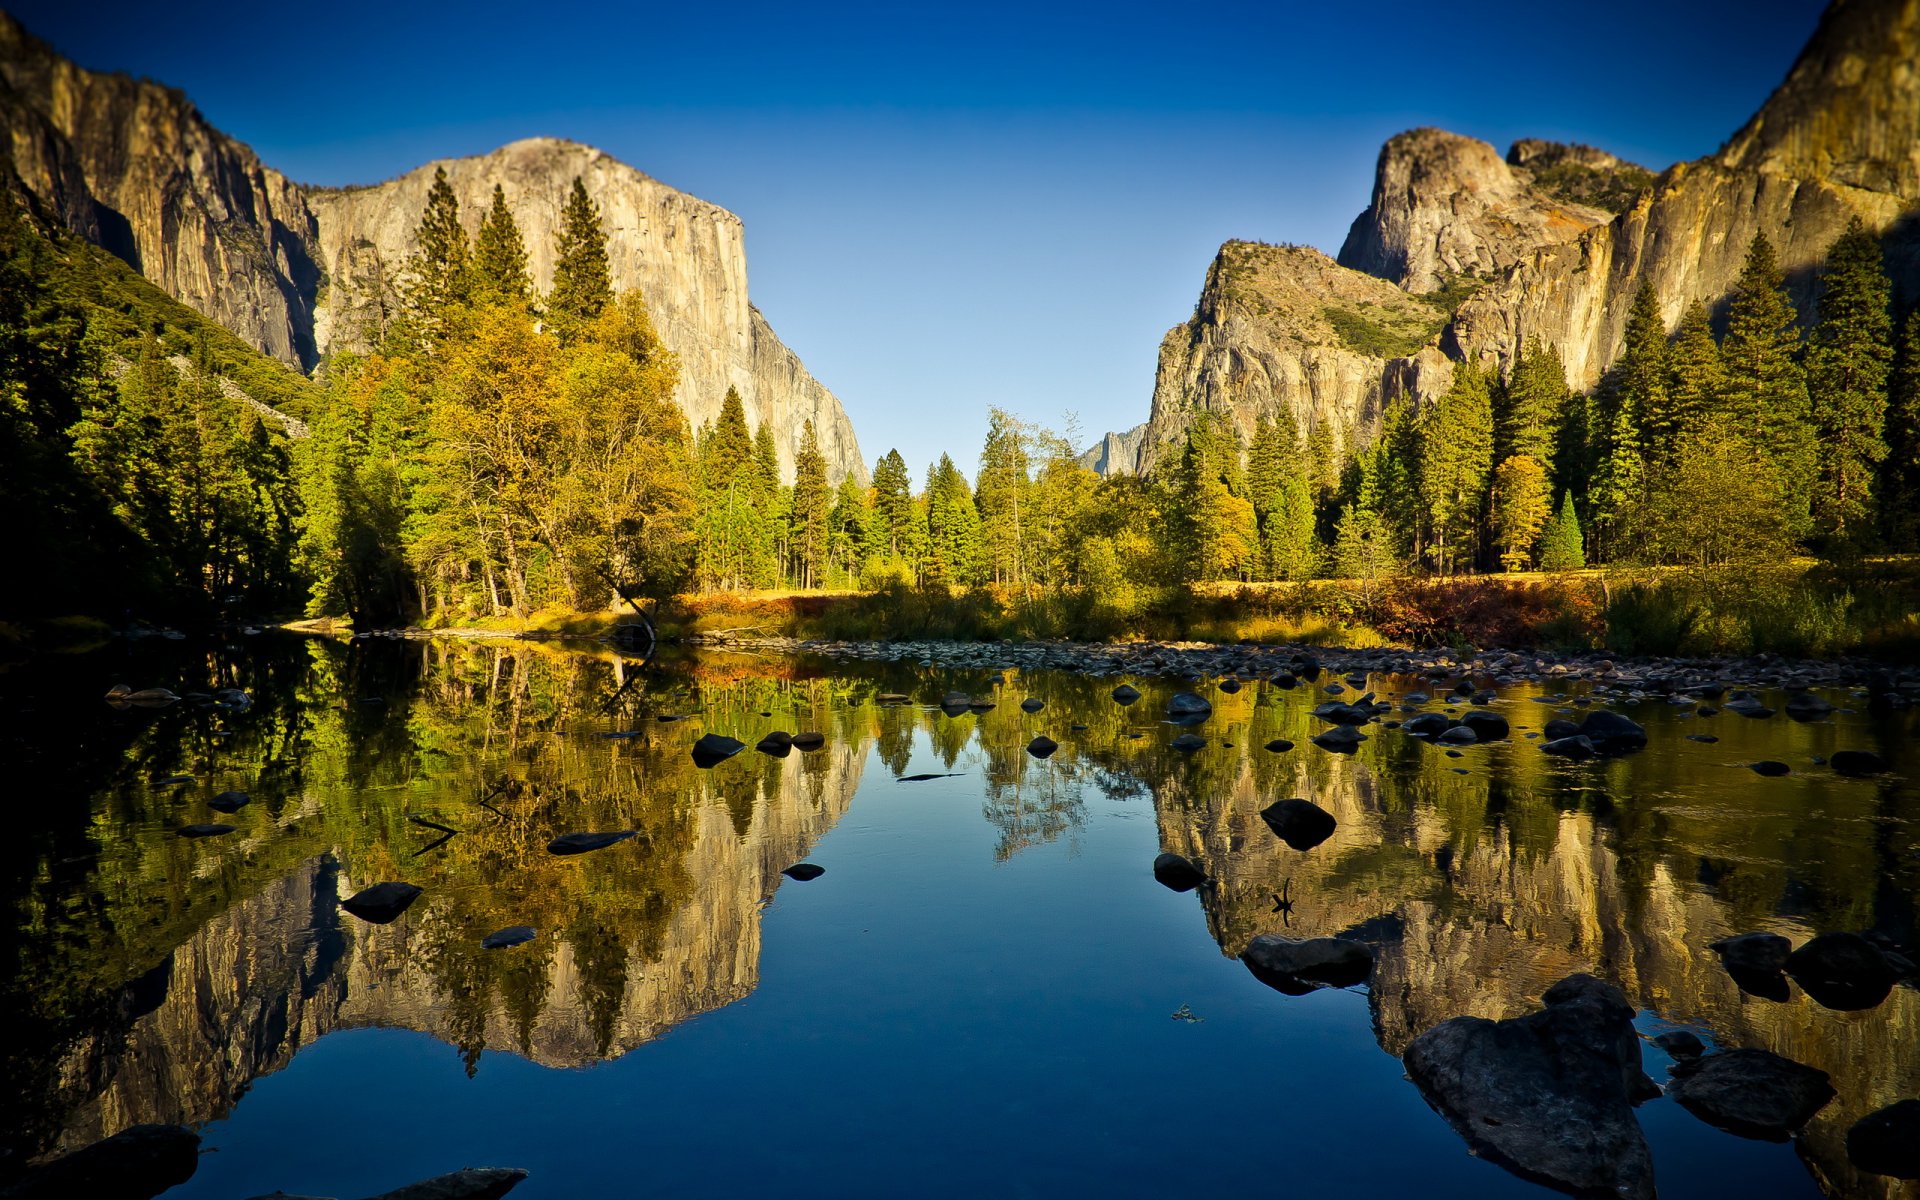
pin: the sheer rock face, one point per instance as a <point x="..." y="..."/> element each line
<point x="1446" y="206"/>
<point x="298" y="272"/>
<point x="685" y="256"/>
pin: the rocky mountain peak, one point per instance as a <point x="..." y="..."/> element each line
<point x="1849" y="109"/>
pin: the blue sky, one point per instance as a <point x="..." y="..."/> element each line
<point x="951" y="207"/>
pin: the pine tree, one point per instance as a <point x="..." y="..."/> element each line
<point x="727" y="448"/>
<point x="1849" y="355"/>
<point x="1456" y="458"/>
<point x="892" y="507"/>
<point x="1693" y="385"/>
<point x="1764" y="391"/>
<point x="439" y="273"/>
<point x="1521" y="505"/>
<point x="1561" y="546"/>
<point x="1002" y="497"/>
<point x="954" y="527"/>
<point x="1634" y="392"/>
<point x="582" y="282"/>
<point x="500" y="257"/>
<point x="1533" y="404"/>
<point x="811" y="510"/>
<point x="1900" y="471"/>
<point x="847" y="534"/>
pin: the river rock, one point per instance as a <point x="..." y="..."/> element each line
<point x="1298" y="967"/>
<point x="1344" y="714"/>
<point x="808" y="742"/>
<point x="1427" y="724"/>
<point x="1857" y="763"/>
<point x="1550" y="1095"/>
<point x="1681" y="1043"/>
<point x="1842" y="971"/>
<point x="201" y="831"/>
<point x="1578" y="748"/>
<point x="1888" y="1142"/>
<point x="1770" y="767"/>
<point x="227" y="802"/>
<point x="1032" y="704"/>
<point x="1042" y="746"/>
<point x="1749" y="707"/>
<point x="1178" y="872"/>
<point x="715" y="748"/>
<point x="1186" y="708"/>
<point x="512" y="935"/>
<point x="1487" y="726"/>
<point x="1126" y="694"/>
<point x="1457" y="735"/>
<point x="1612" y="733"/>
<point x="1559" y="728"/>
<point x="1301" y="824"/>
<point x="1753" y="951"/>
<point x="1187" y="743"/>
<point x="1752" y="1093"/>
<point x="135" y="1164"/>
<point x="382" y="903"/>
<point x="779" y="744"/>
<point x="804" y="872"/>
<point x="1279" y="745"/>
<point x="1341" y="739"/>
<point x="1805" y="706"/>
<point x="582" y="843"/>
<point x="470" y="1183"/>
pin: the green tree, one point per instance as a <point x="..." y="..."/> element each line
<point x="1694" y="383"/>
<point x="848" y="528"/>
<point x="1456" y="458"/>
<point x="1562" y="548"/>
<point x="1532" y="405"/>
<point x="1364" y="551"/>
<point x="438" y="277"/>
<point x="1634" y="391"/>
<point x="1005" y="480"/>
<point x="1765" y="391"/>
<point x="812" y="510"/>
<point x="500" y="257"/>
<point x="726" y="447"/>
<point x="893" y="539"/>
<point x="1720" y="505"/>
<point x="1520" y="509"/>
<point x="1900" y="471"/>
<point x="955" y="542"/>
<point x="1849" y="355"/>
<point x="582" y="281"/>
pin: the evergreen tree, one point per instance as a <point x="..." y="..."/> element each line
<point x="1002" y="497"/>
<point x="847" y="531"/>
<point x="1533" y="405"/>
<point x="438" y="276"/>
<point x="582" y="282"/>
<point x="1456" y="458"/>
<point x="1900" y="471"/>
<point x="1764" y="391"/>
<point x="1363" y="549"/>
<point x="811" y="510"/>
<point x="727" y="447"/>
<point x="1849" y="355"/>
<point x="1693" y="385"/>
<point x="500" y="257"/>
<point x="1521" y="506"/>
<point x="1634" y="392"/>
<point x="1561" y="546"/>
<point x="954" y="527"/>
<point x="892" y="507"/>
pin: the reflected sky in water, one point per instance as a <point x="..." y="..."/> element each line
<point x="978" y="995"/>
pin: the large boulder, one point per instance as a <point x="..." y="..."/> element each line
<point x="1752" y="1093"/>
<point x="1578" y="748"/>
<point x="1298" y="967"/>
<point x="134" y="1164"/>
<point x="1185" y="708"/>
<point x="1888" y="1142"/>
<point x="1126" y="693"/>
<point x="1612" y="733"/>
<point x="1301" y="824"/>
<point x="1842" y="971"/>
<point x="1487" y="726"/>
<point x="1428" y="724"/>
<point x="1549" y="1096"/>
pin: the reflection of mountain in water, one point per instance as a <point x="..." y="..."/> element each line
<point x="286" y="967"/>
<point x="1482" y="890"/>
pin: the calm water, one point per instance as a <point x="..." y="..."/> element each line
<point x="978" y="995"/>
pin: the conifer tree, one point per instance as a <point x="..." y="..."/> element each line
<point x="1561" y="546"/>
<point x="727" y="446"/>
<point x="812" y="510"/>
<point x="1521" y="505"/>
<point x="1002" y="498"/>
<point x="1764" y="390"/>
<point x="892" y="507"/>
<point x="1848" y="358"/>
<point x="847" y="535"/>
<point x="1634" y="392"/>
<point x="1900" y="471"/>
<point x="954" y="526"/>
<point x="439" y="272"/>
<point x="1533" y="404"/>
<point x="1693" y="385"/>
<point x="766" y="456"/>
<point x="500" y="257"/>
<point x="1456" y="458"/>
<point x="582" y="282"/>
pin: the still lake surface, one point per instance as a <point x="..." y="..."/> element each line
<point x="979" y="996"/>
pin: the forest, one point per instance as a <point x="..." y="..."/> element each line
<point x="501" y="453"/>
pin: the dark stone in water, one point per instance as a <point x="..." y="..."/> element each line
<point x="200" y="831"/>
<point x="1577" y="747"/>
<point x="512" y="935"/>
<point x="1032" y="704"/>
<point x="581" y="843"/>
<point x="1805" y="706"/>
<point x="1857" y="763"/>
<point x="1612" y="733"/>
<point x="1042" y="746"/>
<point x="1769" y="767"/>
<point x="804" y="872"/>
<point x="1681" y="1043"/>
<point x="1427" y="724"/>
<point x="1178" y="872"/>
<point x="1888" y="1142"/>
<point x="1126" y="694"/>
<point x="1708" y="738"/>
<point x="1187" y="743"/>
<point x="1078" y="728"/>
<point x="382" y="903"/>
<point x="1301" y="824"/>
<point x="1487" y="726"/>
<point x="715" y="748"/>
<point x="1753" y="951"/>
<point x="777" y="744"/>
<point x="1341" y="739"/>
<point x="1299" y="967"/>
<point x="470" y="1183"/>
<point x="1842" y="971"/>
<point x="1279" y="745"/>
<point x="808" y="742"/>
<point x="922" y="778"/>
<point x="172" y="780"/>
<point x="1229" y="686"/>
<point x="135" y="1164"/>
<point x="1515" y="1088"/>
<point x="1752" y="1093"/>
<point x="1457" y="735"/>
<point x="229" y="802"/>
<point x="1750" y="708"/>
<point x="1285" y="681"/>
<point x="1344" y="714"/>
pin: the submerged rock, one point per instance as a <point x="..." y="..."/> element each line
<point x="1549" y="1096"/>
<point x="1341" y="739"/>
<point x="1888" y="1142"/>
<point x="804" y="871"/>
<point x="1487" y="726"/>
<point x="1301" y="824"/>
<point x="1126" y="693"/>
<point x="229" y="802"/>
<point x="1753" y="951"/>
<point x="1578" y="748"/>
<point x="1752" y="1093"/>
<point x="512" y="935"/>
<point x="581" y="843"/>
<point x="1032" y="704"/>
<point x="1279" y="745"/>
<point x="715" y="748"/>
<point x="1559" y="728"/>
<point x="134" y="1164"/>
<point x="1612" y="733"/>
<point x="1299" y="967"/>
<point x="1681" y="1043"/>
<point x="1042" y="746"/>
<point x="1187" y="743"/>
<point x="779" y="744"/>
<point x="1770" y="767"/>
<point x="201" y="831"/>
<point x="1427" y="724"/>
<point x="808" y="742"/>
<point x="1178" y="872"/>
<point x="1842" y="971"/>
<point x="382" y="903"/>
<point x="1857" y="763"/>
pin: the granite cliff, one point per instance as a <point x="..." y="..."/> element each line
<point x="134" y="167"/>
<point x="1552" y="241"/>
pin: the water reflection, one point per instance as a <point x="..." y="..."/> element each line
<point x="156" y="977"/>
